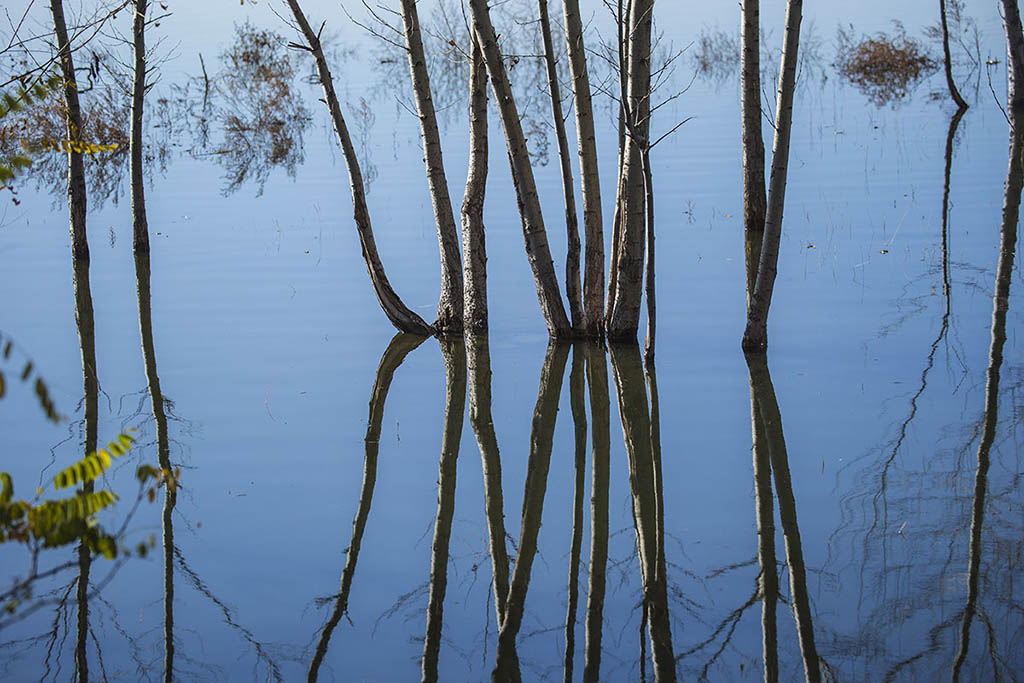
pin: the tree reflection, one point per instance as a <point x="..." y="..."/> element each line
<point x="641" y="429"/>
<point x="454" y="354"/>
<point x="401" y="345"/>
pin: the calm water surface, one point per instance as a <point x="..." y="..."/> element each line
<point x="358" y="506"/>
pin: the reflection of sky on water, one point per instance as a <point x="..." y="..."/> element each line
<point x="268" y="339"/>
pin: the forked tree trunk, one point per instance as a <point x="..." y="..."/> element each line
<point x="947" y="61"/>
<point x="396" y="311"/>
<point x="753" y="142"/>
<point x="590" y="184"/>
<point x="755" y="337"/>
<point x="73" y="125"/>
<point x="1014" y="53"/>
<point x="474" y="250"/>
<point x="629" y="266"/>
<point x="572" y="257"/>
<point x="534" y="233"/>
<point x="140" y="228"/>
<point x="449" y="306"/>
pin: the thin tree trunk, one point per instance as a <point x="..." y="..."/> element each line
<point x="474" y="250"/>
<point x="396" y="311"/>
<point x="753" y="143"/>
<point x="590" y="183"/>
<point x="1014" y="53"/>
<point x="541" y="438"/>
<point x="400" y="347"/>
<point x="449" y="306"/>
<point x="629" y="286"/>
<point x="1000" y="309"/>
<point x="755" y="337"/>
<point x="577" y="402"/>
<point x="947" y="61"/>
<point x="73" y="125"/>
<point x="622" y="23"/>
<point x="140" y="228"/>
<point x="454" y="353"/>
<point x="649" y="288"/>
<point x="597" y="379"/>
<point x="572" y="258"/>
<point x="534" y="233"/>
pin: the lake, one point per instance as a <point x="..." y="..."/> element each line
<point x="354" y="505"/>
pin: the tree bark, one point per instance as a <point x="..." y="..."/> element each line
<point x="449" y="305"/>
<point x="140" y="227"/>
<point x="474" y="250"/>
<point x="755" y="337"/>
<point x="590" y="183"/>
<point x="625" y="317"/>
<point x="1014" y="54"/>
<point x="947" y="61"/>
<point x="572" y="258"/>
<point x="396" y="311"/>
<point x="753" y="143"/>
<point x="73" y="125"/>
<point x="534" y="233"/>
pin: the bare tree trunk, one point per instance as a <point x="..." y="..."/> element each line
<point x="622" y="23"/>
<point x="572" y="258"/>
<point x="73" y="124"/>
<point x="449" y="306"/>
<point x="755" y="337"/>
<point x="597" y="379"/>
<point x="140" y="228"/>
<point x="534" y="233"/>
<point x="474" y="250"/>
<point x="454" y="353"/>
<point x="753" y="143"/>
<point x="954" y="93"/>
<point x="625" y="317"/>
<point x="396" y="311"/>
<point x="590" y="184"/>
<point x="649" y="289"/>
<point x="1014" y="53"/>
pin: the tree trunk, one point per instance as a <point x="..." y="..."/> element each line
<point x="590" y="183"/>
<point x="396" y="311"/>
<point x="577" y="403"/>
<point x="572" y="258"/>
<point x="534" y="233"/>
<point x="755" y="337"/>
<point x="73" y="125"/>
<point x="1014" y="54"/>
<point x="449" y="306"/>
<point x="753" y="142"/>
<point x="954" y="93"/>
<point x="622" y="23"/>
<point x="140" y="228"/>
<point x="625" y="317"/>
<point x="474" y="250"/>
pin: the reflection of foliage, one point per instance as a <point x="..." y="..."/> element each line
<point x="884" y="67"/>
<point x="15" y="100"/>
<point x="252" y="98"/>
<point x="38" y="132"/>
<point x="717" y="53"/>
